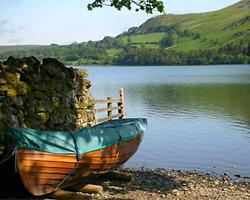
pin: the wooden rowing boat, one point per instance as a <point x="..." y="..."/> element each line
<point x="44" y="168"/>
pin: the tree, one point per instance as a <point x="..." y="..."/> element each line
<point x="187" y="33"/>
<point x="168" y="40"/>
<point x="248" y="49"/>
<point x="146" y="5"/>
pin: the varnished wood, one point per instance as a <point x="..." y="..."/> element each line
<point x="87" y="188"/>
<point x="55" y="164"/>
<point x="43" y="169"/>
<point x="61" y="194"/>
<point x="42" y="172"/>
<point x="30" y="181"/>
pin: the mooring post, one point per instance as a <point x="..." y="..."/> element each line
<point x="109" y="106"/>
<point x="96" y="117"/>
<point x="121" y="104"/>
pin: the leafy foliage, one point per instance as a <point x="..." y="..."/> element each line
<point x="169" y="40"/>
<point x="146" y="5"/>
<point x="220" y="37"/>
<point x="139" y="56"/>
<point x="114" y="51"/>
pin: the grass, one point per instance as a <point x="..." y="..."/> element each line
<point x="4" y="49"/>
<point x="219" y="25"/>
<point x="223" y="26"/>
<point x="147" y="38"/>
<point x="113" y="52"/>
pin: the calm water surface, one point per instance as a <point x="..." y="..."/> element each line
<point x="198" y="117"/>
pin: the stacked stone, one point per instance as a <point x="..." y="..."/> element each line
<point x="47" y="96"/>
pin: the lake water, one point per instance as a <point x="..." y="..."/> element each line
<point x="198" y="116"/>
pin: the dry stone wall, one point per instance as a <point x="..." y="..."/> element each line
<point x="45" y="96"/>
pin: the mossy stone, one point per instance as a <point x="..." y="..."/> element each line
<point x="43" y="116"/>
<point x="12" y="78"/>
<point x="2" y="81"/>
<point x="44" y="96"/>
<point x="23" y="88"/>
<point x="2" y="126"/>
<point x="82" y="73"/>
<point x="10" y="90"/>
<point x="55" y="102"/>
<point x="79" y="104"/>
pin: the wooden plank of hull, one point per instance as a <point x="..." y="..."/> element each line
<point x="124" y="148"/>
<point x="43" y="173"/>
<point x="44" y="161"/>
<point x="48" y="157"/>
<point x="56" y="164"/>
<point x="39" y="169"/>
<point x="41" y="176"/>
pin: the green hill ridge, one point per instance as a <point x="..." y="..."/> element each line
<point x="223" y="26"/>
<point x="218" y="37"/>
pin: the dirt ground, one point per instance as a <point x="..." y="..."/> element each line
<point x="164" y="184"/>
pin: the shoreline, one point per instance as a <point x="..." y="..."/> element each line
<point x="233" y="177"/>
<point x="159" y="184"/>
<point x="173" y="184"/>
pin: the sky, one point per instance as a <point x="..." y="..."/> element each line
<point x="66" y="21"/>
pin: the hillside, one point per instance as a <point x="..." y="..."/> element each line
<point x="4" y="49"/>
<point x="218" y="37"/>
<point x="196" y="31"/>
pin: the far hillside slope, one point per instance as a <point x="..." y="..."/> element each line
<point x="202" y="30"/>
<point x="4" y="49"/>
<point x="218" y="37"/>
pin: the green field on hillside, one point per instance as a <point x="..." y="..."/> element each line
<point x="230" y="24"/>
<point x="216" y="37"/>
<point x="4" y="49"/>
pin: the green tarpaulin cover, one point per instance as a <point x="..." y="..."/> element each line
<point x="75" y="142"/>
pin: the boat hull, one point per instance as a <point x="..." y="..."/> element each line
<point x="43" y="173"/>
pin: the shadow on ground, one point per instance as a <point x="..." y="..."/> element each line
<point x="157" y="181"/>
<point x="11" y="186"/>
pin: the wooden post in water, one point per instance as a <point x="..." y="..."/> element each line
<point x="96" y="117"/>
<point x="109" y="106"/>
<point x="121" y="104"/>
<point x="120" y="108"/>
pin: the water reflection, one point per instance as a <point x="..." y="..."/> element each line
<point x="225" y="101"/>
<point x="195" y="122"/>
